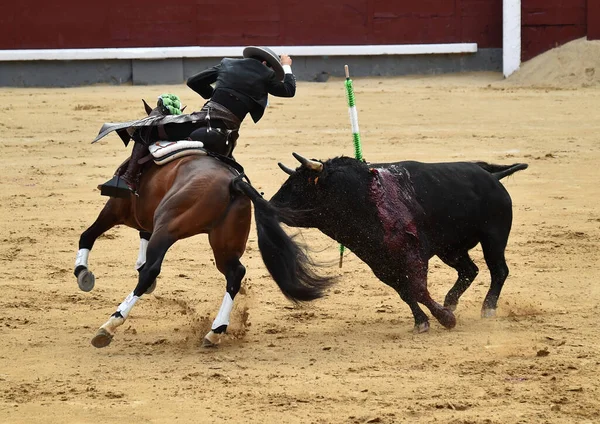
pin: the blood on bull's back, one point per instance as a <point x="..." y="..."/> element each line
<point x="457" y="201"/>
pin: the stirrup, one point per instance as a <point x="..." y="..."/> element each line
<point x="116" y="187"/>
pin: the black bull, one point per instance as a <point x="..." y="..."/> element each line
<point x="396" y="216"/>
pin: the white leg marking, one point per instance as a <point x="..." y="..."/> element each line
<point x="112" y="324"/>
<point x="82" y="258"/>
<point x="124" y="309"/>
<point x="115" y="321"/>
<point x="223" y="315"/>
<point x="141" y="260"/>
<point x="127" y="304"/>
<point x="212" y="338"/>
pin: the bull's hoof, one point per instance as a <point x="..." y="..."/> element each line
<point x="488" y="313"/>
<point x="86" y="280"/>
<point x="451" y="307"/>
<point x="212" y="339"/>
<point x="421" y="328"/>
<point x="447" y="319"/>
<point x="151" y="288"/>
<point x="102" y="338"/>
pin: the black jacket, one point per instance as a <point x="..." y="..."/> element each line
<point x="242" y="86"/>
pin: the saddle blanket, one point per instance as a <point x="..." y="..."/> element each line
<point x="165" y="151"/>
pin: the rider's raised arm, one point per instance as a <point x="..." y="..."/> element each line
<point x="285" y="88"/>
<point x="201" y="82"/>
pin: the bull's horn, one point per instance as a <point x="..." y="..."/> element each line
<point x="285" y="169"/>
<point x="308" y="163"/>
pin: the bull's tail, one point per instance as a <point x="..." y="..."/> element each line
<point x="501" y="171"/>
<point x="284" y="258"/>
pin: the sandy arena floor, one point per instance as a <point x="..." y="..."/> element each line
<point x="348" y="358"/>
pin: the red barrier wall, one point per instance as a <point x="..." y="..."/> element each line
<point x="593" y="19"/>
<point x="125" y="23"/>
<point x="549" y="23"/>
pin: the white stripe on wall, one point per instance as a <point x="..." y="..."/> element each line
<point x="197" y="52"/>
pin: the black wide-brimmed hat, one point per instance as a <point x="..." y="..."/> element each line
<point x="269" y="56"/>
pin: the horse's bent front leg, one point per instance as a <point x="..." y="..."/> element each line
<point x="158" y="245"/>
<point x="228" y="242"/>
<point x="108" y="218"/>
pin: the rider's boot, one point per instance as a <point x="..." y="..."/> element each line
<point x="123" y="186"/>
<point x="131" y="174"/>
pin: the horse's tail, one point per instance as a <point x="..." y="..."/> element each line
<point x="501" y="171"/>
<point x="286" y="261"/>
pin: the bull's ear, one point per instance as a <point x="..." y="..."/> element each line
<point x="285" y="169"/>
<point x="147" y="107"/>
<point x="309" y="163"/>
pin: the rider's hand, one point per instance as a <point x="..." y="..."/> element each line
<point x="286" y="60"/>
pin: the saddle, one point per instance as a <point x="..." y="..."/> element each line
<point x="206" y="140"/>
<point x="163" y="152"/>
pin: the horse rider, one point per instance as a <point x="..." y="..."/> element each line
<point x="241" y="87"/>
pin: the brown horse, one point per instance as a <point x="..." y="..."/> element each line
<point x="193" y="195"/>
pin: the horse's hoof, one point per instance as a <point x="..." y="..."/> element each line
<point x="102" y="338"/>
<point x="421" y="328"/>
<point x="86" y="280"/>
<point x="488" y="313"/>
<point x="212" y="339"/>
<point x="151" y="288"/>
<point x="208" y="344"/>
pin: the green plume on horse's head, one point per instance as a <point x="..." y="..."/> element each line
<point x="170" y="104"/>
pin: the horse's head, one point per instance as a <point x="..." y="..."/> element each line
<point x="157" y="111"/>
